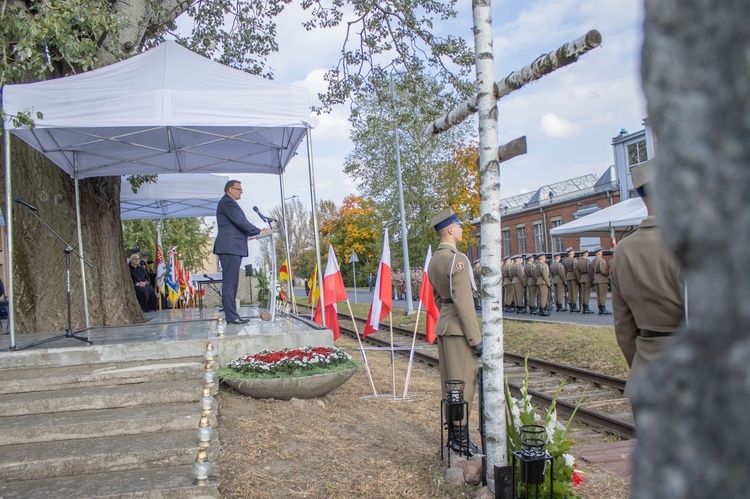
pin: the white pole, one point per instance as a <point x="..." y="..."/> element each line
<point x="311" y="172"/>
<point x="80" y="244"/>
<point x="354" y="273"/>
<point x="9" y="227"/>
<point x="289" y="287"/>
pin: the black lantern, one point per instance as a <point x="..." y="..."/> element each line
<point x="531" y="461"/>
<point x="453" y="412"/>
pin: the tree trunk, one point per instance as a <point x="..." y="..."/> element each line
<point x="490" y="245"/>
<point x="39" y="258"/>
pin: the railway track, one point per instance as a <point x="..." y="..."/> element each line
<point x="602" y="403"/>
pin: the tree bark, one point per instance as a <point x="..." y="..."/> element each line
<point x="490" y="246"/>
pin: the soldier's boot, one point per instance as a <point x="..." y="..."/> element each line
<point x="573" y="308"/>
<point x="521" y="310"/>
<point x="560" y="308"/>
<point x="587" y="310"/>
<point x="460" y="443"/>
<point x="532" y="310"/>
<point x="603" y="310"/>
<point x="543" y="312"/>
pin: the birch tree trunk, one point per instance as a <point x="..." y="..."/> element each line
<point x="489" y="207"/>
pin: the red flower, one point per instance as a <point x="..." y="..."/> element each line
<point x="577" y="478"/>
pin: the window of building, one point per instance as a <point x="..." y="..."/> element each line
<point x="538" y="237"/>
<point x="506" y="242"/>
<point x="521" y="239"/>
<point x="557" y="242"/>
<point x="637" y="153"/>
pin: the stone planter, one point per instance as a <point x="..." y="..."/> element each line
<point x="305" y="387"/>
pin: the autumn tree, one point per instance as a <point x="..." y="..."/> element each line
<point x="190" y="236"/>
<point x="299" y="229"/>
<point x="53" y="38"/>
<point x="458" y="184"/>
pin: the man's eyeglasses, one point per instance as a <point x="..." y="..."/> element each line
<point x="236" y="189"/>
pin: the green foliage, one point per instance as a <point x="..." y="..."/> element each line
<point x="189" y="235"/>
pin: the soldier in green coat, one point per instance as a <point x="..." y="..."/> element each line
<point x="601" y="280"/>
<point x="570" y="277"/>
<point x="459" y="339"/>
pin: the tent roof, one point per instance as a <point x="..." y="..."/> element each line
<point x="173" y="196"/>
<point x="623" y="217"/>
<point x="165" y="110"/>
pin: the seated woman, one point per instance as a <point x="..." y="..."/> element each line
<point x="143" y="290"/>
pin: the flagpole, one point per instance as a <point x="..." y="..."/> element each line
<point x="393" y="355"/>
<point x="411" y="352"/>
<point x="362" y="349"/>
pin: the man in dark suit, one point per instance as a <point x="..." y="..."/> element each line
<point x="231" y="246"/>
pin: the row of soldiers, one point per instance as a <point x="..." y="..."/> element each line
<point x="570" y="277"/>
<point x="398" y="282"/>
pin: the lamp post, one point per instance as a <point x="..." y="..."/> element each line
<point x="404" y="238"/>
<point x="353" y="258"/>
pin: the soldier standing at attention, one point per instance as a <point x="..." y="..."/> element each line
<point x="532" y="290"/>
<point x="508" y="301"/>
<point x="458" y="336"/>
<point x="519" y="278"/>
<point x="647" y="292"/>
<point x="543" y="283"/>
<point x="583" y="273"/>
<point x="601" y="279"/>
<point x="558" y="279"/>
<point x="570" y="277"/>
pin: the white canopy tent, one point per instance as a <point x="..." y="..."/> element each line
<point x="167" y="110"/>
<point x="615" y="221"/>
<point x="172" y="196"/>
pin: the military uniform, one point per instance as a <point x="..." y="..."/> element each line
<point x="570" y="277"/>
<point x="557" y="270"/>
<point x="508" y="298"/>
<point x="518" y="278"/>
<point x="532" y="290"/>
<point x="543" y="283"/>
<point x="601" y="279"/>
<point x="584" y="277"/>
<point x="459" y="337"/>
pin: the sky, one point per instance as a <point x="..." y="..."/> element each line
<point x="569" y="117"/>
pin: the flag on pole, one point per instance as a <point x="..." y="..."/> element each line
<point x="284" y="272"/>
<point x="314" y="292"/>
<point x="171" y="280"/>
<point x="427" y="298"/>
<point x="161" y="268"/>
<point x="381" y="298"/>
<point x="334" y="291"/>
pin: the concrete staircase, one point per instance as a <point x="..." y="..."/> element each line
<point x="104" y="429"/>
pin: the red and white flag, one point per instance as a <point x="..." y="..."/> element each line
<point x="427" y="298"/>
<point x="334" y="292"/>
<point x="381" y="298"/>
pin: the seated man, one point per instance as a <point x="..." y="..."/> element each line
<point x="144" y="292"/>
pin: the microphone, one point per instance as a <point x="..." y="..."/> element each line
<point x="26" y="204"/>
<point x="209" y="277"/>
<point x="262" y="216"/>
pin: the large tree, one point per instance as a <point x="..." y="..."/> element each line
<point x="53" y="38"/>
<point x="190" y="236"/>
<point x="378" y="116"/>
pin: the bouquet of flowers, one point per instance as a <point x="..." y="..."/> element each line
<point x="520" y="413"/>
<point x="298" y="362"/>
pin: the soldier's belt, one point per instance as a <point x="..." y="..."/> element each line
<point x="645" y="333"/>
<point x="447" y="300"/>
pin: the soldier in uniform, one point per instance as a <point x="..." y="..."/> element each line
<point x="570" y="277"/>
<point x="394" y="285"/>
<point x="647" y="292"/>
<point x="532" y="291"/>
<point x="601" y="279"/>
<point x="399" y="279"/>
<point x="543" y="283"/>
<point x="583" y="274"/>
<point x="508" y="299"/>
<point x="519" y="278"/>
<point x="459" y="338"/>
<point x="557" y="269"/>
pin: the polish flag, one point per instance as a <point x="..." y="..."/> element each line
<point x="427" y="298"/>
<point x="334" y="292"/>
<point x="381" y="298"/>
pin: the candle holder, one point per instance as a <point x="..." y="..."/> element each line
<point x="531" y="461"/>
<point x="207" y="401"/>
<point x="453" y="411"/>
<point x="201" y="468"/>
<point x="209" y="376"/>
<point x="221" y="327"/>
<point x="209" y="354"/>
<point x="204" y="432"/>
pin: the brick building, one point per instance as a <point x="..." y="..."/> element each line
<point x="527" y="218"/>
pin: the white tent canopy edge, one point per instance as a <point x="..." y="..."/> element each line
<point x="166" y="110"/>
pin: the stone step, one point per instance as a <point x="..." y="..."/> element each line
<point x="162" y="483"/>
<point x="68" y="458"/>
<point x="100" y="423"/>
<point x="53" y="378"/>
<point x="82" y="399"/>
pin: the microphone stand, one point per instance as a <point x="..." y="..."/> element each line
<point x="69" y="333"/>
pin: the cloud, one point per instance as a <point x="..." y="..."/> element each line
<point x="559" y="128"/>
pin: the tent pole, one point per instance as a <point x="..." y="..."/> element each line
<point x="289" y="286"/>
<point x="311" y="173"/>
<point x="80" y="242"/>
<point x="9" y="227"/>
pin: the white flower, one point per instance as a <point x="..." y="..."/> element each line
<point x="569" y="460"/>
<point x="537" y="417"/>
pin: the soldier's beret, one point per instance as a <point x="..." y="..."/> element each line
<point x="641" y="174"/>
<point x="584" y="251"/>
<point x="569" y="250"/>
<point x="444" y="219"/>
<point x="596" y="250"/>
